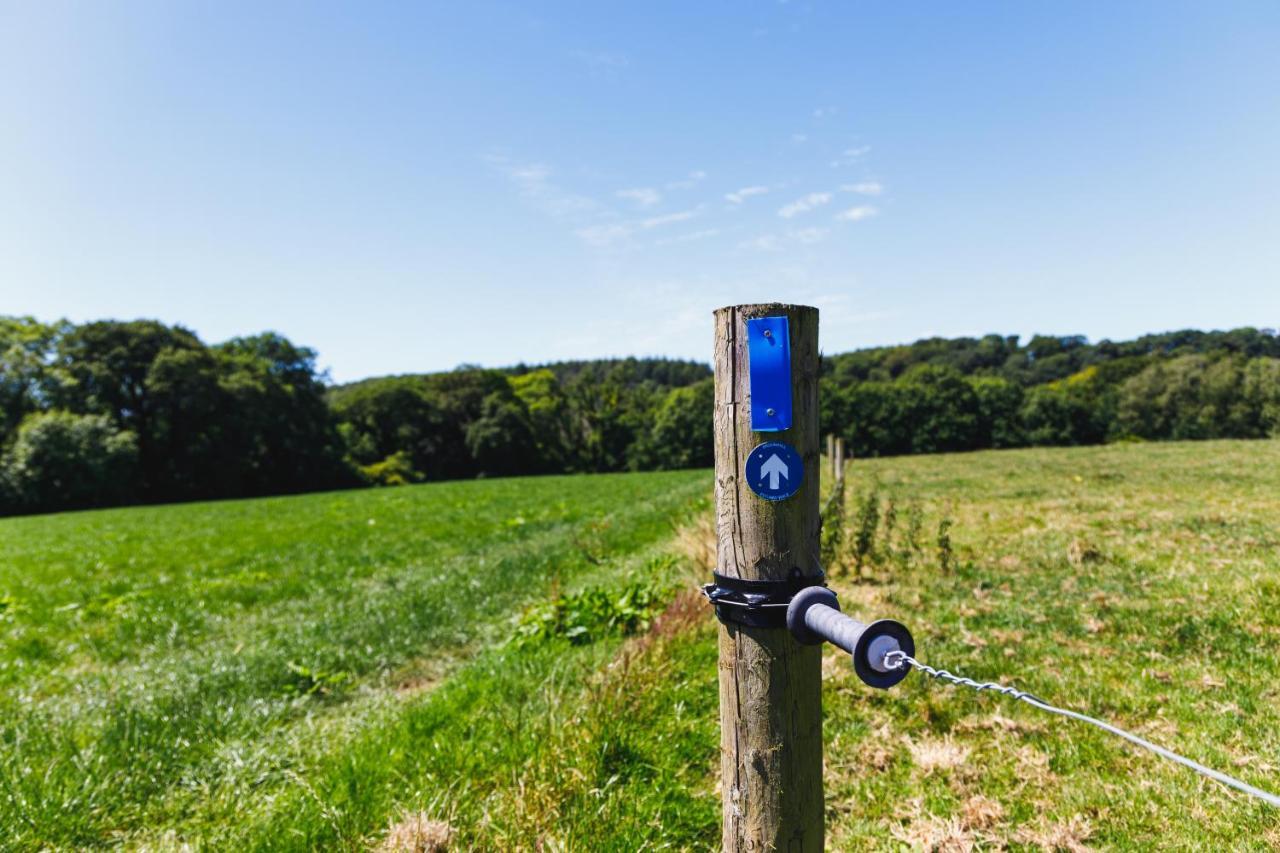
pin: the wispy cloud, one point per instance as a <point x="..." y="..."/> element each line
<point x="603" y="235"/>
<point x="857" y="214"/>
<point x="739" y="196"/>
<point x="667" y="219"/>
<point x="775" y="242"/>
<point x="809" y="236"/>
<point x="643" y="196"/>
<point x="849" y="156"/>
<point x="534" y="180"/>
<point x="804" y="205"/>
<point x="606" y="234"/>
<point x="695" y="177"/>
<point x="763" y="243"/>
<point x="798" y="138"/>
<point x="864" y="188"/>
<point x="691" y="237"/>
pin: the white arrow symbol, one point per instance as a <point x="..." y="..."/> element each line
<point x="772" y="468"/>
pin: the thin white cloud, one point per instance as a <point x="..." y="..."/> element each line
<point x="809" y="236"/>
<point x="608" y="233"/>
<point x="688" y="238"/>
<point x="798" y="138"/>
<point x="864" y="188"/>
<point x="774" y="242"/>
<point x="667" y="219"/>
<point x="762" y="243"/>
<point x="643" y="196"/>
<point x="739" y="196"/>
<point x="849" y="156"/>
<point x="603" y="235"/>
<point x="804" y="205"/>
<point x="695" y="177"/>
<point x="857" y="214"/>
<point x="535" y="184"/>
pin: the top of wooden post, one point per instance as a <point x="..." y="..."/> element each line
<point x="761" y="539"/>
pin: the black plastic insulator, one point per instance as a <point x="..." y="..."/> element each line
<point x="814" y="617"/>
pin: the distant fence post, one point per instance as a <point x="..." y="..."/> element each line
<point x="770" y="684"/>
<point x="831" y="452"/>
<point x="839" y="460"/>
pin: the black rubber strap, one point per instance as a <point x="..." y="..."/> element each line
<point x="757" y="603"/>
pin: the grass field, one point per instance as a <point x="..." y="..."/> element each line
<point x="313" y="671"/>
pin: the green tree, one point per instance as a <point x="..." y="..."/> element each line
<point x="279" y="425"/>
<point x="550" y="416"/>
<point x="1261" y="392"/>
<point x="1071" y="411"/>
<point x="26" y="351"/>
<point x="501" y="440"/>
<point x="61" y="460"/>
<point x="104" y="368"/>
<point x="941" y="410"/>
<point x="999" y="405"/>
<point x="396" y="415"/>
<point x="683" y="434"/>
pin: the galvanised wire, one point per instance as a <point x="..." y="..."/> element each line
<point x="896" y="659"/>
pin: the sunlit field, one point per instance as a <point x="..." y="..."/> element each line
<point x="266" y="671"/>
<point x="517" y="663"/>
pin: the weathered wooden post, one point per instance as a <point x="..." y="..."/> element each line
<point x="831" y="453"/>
<point x="767" y="469"/>
<point x="839" y="463"/>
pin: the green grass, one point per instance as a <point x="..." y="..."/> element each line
<point x="1135" y="582"/>
<point x="192" y="668"/>
<point x="283" y="674"/>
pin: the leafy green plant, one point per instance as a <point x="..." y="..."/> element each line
<point x="866" y="522"/>
<point x="593" y="613"/>
<point x="946" y="554"/>
<point x="833" y="524"/>
<point x="309" y="681"/>
<point x="395" y="470"/>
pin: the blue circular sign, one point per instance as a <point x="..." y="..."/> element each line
<point x="775" y="471"/>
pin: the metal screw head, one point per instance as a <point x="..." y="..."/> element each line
<point x="768" y="334"/>
<point x="770" y="412"/>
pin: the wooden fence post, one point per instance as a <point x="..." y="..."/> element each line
<point x="770" y="685"/>
<point x="839" y="462"/>
<point x="831" y="453"/>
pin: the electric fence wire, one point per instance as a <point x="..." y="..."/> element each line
<point x="896" y="659"/>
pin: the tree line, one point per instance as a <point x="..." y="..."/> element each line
<point x="107" y="413"/>
<point x="941" y="395"/>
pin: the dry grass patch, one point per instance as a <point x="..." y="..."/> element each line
<point x="416" y="832"/>
<point x="982" y="812"/>
<point x="1069" y="835"/>
<point x="697" y="541"/>
<point x="930" y="753"/>
<point x="877" y="751"/>
<point x="936" y="835"/>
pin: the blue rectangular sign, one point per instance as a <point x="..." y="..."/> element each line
<point x="769" y="365"/>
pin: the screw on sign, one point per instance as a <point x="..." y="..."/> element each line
<point x="774" y="470"/>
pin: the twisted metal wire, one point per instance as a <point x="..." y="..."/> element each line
<point x="898" y="658"/>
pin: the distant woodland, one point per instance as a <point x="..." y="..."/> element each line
<point x="108" y="413"/>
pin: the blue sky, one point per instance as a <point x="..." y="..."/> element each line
<point x="409" y="187"/>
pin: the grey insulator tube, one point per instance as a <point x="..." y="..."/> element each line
<point x="814" y="616"/>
